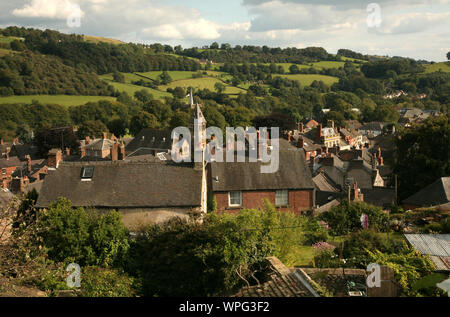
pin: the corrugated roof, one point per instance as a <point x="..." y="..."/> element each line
<point x="431" y="244"/>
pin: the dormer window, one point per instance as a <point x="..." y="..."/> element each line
<point x="87" y="173"/>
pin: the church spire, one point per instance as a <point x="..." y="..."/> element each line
<point x="191" y="98"/>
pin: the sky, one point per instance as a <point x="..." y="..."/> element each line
<point x="418" y="29"/>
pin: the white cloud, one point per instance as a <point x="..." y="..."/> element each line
<point x="52" y="9"/>
<point x="407" y="24"/>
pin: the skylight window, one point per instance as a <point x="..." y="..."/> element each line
<point x="87" y="172"/>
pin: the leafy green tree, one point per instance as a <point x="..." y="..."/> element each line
<point x="160" y="110"/>
<point x="165" y="78"/>
<point x="143" y="95"/>
<point x="448" y="55"/>
<point x="219" y="87"/>
<point x="214" y="46"/>
<point x="422" y="153"/>
<point x="179" y="119"/>
<point x="93" y="129"/>
<point x="118" y="126"/>
<point x="17" y="45"/>
<point x="346" y="217"/>
<point x="179" y="93"/>
<point x="143" y="120"/>
<point x="74" y="235"/>
<point x="118" y="77"/>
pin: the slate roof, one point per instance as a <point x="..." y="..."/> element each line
<point x="373" y="126"/>
<point x="21" y="150"/>
<point x="11" y="162"/>
<point x="435" y="194"/>
<point x="293" y="173"/>
<point x="324" y="183"/>
<point x="124" y="185"/>
<point x="379" y="196"/>
<point x="99" y="145"/>
<point x="354" y="124"/>
<point x="151" y="139"/>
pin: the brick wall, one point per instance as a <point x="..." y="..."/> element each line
<point x="299" y="200"/>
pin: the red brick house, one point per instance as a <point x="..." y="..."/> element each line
<point x="238" y="186"/>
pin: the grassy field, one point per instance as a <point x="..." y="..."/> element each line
<point x="175" y="75"/>
<point x="8" y="39"/>
<point x="63" y="100"/>
<point x="201" y="83"/>
<point x="307" y="79"/>
<point x="97" y="39"/>
<point x="131" y="89"/>
<point x="129" y="77"/>
<point x="444" y="66"/>
<point x="4" y="52"/>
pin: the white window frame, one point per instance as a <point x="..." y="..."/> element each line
<point x="285" y="198"/>
<point x="240" y="199"/>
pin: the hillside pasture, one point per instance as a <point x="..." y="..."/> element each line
<point x="307" y="79"/>
<point x="202" y="83"/>
<point x="444" y="67"/>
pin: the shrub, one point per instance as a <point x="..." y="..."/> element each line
<point x="324" y="255"/>
<point x="357" y="243"/>
<point x="346" y="217"/>
<point x="102" y="282"/>
<point x="225" y="252"/>
<point x="315" y="231"/>
<point x="73" y="235"/>
<point x="409" y="268"/>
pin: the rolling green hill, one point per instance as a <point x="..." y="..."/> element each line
<point x="444" y="66"/>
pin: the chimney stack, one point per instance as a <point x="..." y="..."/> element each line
<point x="115" y="151"/>
<point x="67" y="151"/>
<point x="301" y="127"/>
<point x="319" y="133"/>
<point x="104" y="135"/>
<point x="54" y="157"/>
<point x="8" y="149"/>
<point x="28" y="163"/>
<point x="301" y="143"/>
<point x="87" y="140"/>
<point x="16" y="141"/>
<point x="1" y="141"/>
<point x="121" y="155"/>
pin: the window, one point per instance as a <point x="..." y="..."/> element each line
<point x="87" y="172"/>
<point x="281" y="198"/>
<point x="3" y="171"/>
<point x="235" y="199"/>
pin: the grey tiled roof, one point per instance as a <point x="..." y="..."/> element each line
<point x="293" y="173"/>
<point x="151" y="139"/>
<point x="124" y="185"/>
<point x="432" y="195"/>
